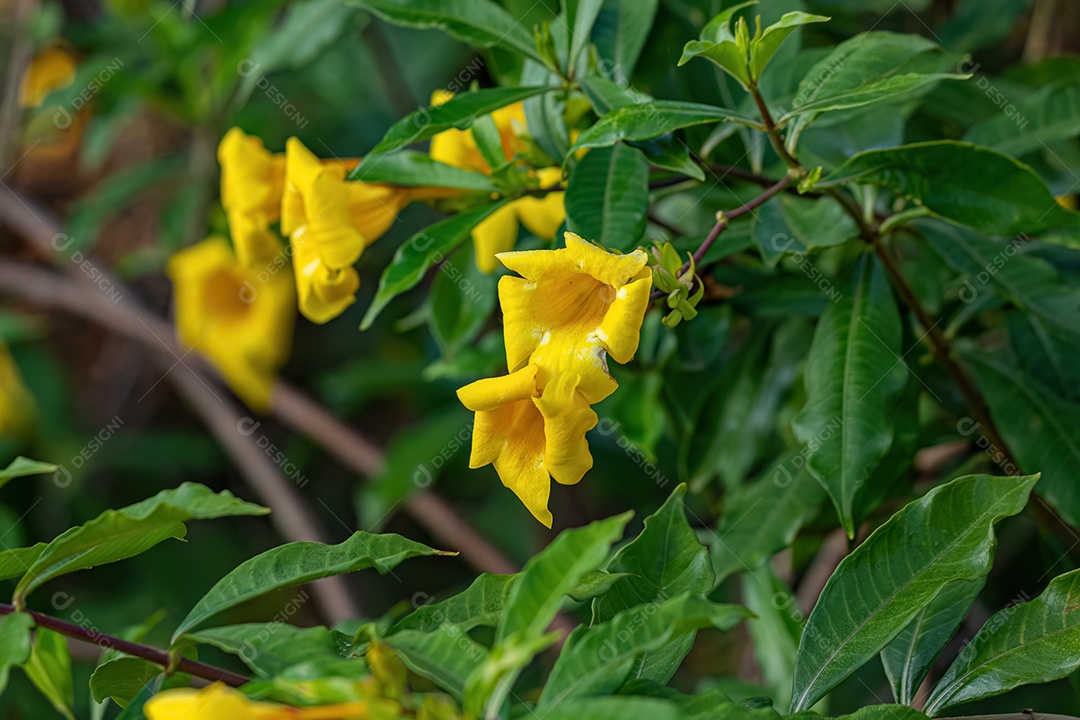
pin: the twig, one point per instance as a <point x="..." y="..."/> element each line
<point x="108" y="642"/>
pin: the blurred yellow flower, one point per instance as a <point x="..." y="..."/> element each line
<point x="531" y="426"/>
<point x="542" y="216"/>
<point x="329" y="222"/>
<point x="49" y="70"/>
<point x="458" y="148"/>
<point x="251" y="177"/>
<point x="572" y="308"/>
<point x="240" y="318"/>
<point x="16" y="402"/>
<point x="218" y="702"/>
<point x="1066" y="201"/>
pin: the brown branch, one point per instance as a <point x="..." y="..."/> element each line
<point x="153" y="654"/>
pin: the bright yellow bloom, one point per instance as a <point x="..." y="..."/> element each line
<point x="240" y="318"/>
<point x="572" y="308"/>
<point x="458" y="148"/>
<point x="218" y="702"/>
<point x="16" y="402"/>
<point x="541" y="216"/>
<point x="330" y="221"/>
<point x="251" y="177"/>
<point x="49" y="70"/>
<point x="530" y="426"/>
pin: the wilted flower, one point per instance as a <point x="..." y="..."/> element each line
<point x="572" y="308"/>
<point x="531" y="426"/>
<point x="240" y="318"/>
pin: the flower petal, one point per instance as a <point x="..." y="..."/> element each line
<point x="252" y="178"/>
<point x="620" y="331"/>
<point x="567" y="417"/>
<point x="490" y="393"/>
<point x="542" y="216"/>
<point x="495" y="234"/>
<point x="324" y="292"/>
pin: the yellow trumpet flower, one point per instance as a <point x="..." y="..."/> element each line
<point x="541" y="216"/>
<point x="252" y="177"/>
<point x="572" y="308"/>
<point x="240" y="318"/>
<point x="218" y="702"/>
<point x="531" y="426"/>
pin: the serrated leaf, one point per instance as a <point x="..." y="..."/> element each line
<point x="300" y="562"/>
<point x="876" y="591"/>
<point x="118" y="534"/>
<point x="459" y="112"/>
<point x="963" y="183"/>
<point x="644" y="121"/>
<point x="122" y="679"/>
<point x="853" y="376"/>
<point x="420" y="252"/>
<point x="49" y="668"/>
<point x="603" y="656"/>
<point x="608" y="196"/>
<point x="1031" y="642"/>
<point x="909" y="657"/>
<point x="413" y="169"/>
<point x="476" y="22"/>
<point x="15" y="643"/>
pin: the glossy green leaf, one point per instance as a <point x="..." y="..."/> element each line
<point x="790" y="224"/>
<point x="122" y="679"/>
<point x="763" y="49"/>
<point x="420" y="252"/>
<point x="300" y="562"/>
<point x="271" y="648"/>
<point x="412" y="169"/>
<point x="763" y="517"/>
<point x="1038" y="426"/>
<point x="909" y="657"/>
<point x="718" y="44"/>
<point x="1048" y="116"/>
<point x="458" y="112"/>
<point x="1030" y="642"/>
<point x="619" y="34"/>
<point x="477" y="22"/>
<point x="877" y="590"/>
<point x="607" y="197"/>
<point x="49" y="668"/>
<point x="853" y="376"/>
<point x="614" y="708"/>
<point x="964" y="183"/>
<point x="446" y="655"/>
<point x="897" y="87"/>
<point x="775" y="629"/>
<point x="16" y="561"/>
<point x="583" y="14"/>
<point x="644" y="121"/>
<point x="664" y="561"/>
<point x="601" y="658"/>
<point x="21" y="467"/>
<point x="119" y="534"/>
<point x="479" y="604"/>
<point x="15" y="643"/>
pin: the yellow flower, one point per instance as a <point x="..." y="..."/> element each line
<point x="541" y="216"/>
<point x="572" y="308"/>
<point x="251" y="177"/>
<point x="329" y="222"/>
<point x="531" y="426"/>
<point x="458" y="148"/>
<point x="240" y="318"/>
<point x="16" y="402"/>
<point x="1066" y="201"/>
<point x="218" y="702"/>
<point x="49" y="70"/>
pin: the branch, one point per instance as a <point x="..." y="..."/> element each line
<point x="108" y="642"/>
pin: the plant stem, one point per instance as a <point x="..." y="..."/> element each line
<point x="773" y="133"/>
<point x="108" y="642"/>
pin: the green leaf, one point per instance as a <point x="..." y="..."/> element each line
<point x="664" y="561"/>
<point x="479" y="604"/>
<point x="602" y="657"/>
<point x="300" y="562"/>
<point x="49" y="668"/>
<point x="462" y="299"/>
<point x="644" y="121"/>
<point x="763" y="49"/>
<point x="853" y="376"/>
<point x="459" y="112"/>
<point x="413" y="169"/>
<point x="620" y="32"/>
<point x="909" y="657"/>
<point x="420" y="252"/>
<point x="961" y="182"/>
<point x="763" y="517"/>
<point x="897" y="87"/>
<point x="1031" y="642"/>
<point x="14" y="643"/>
<point x="134" y="710"/>
<point x="477" y="22"/>
<point x="775" y="630"/>
<point x="271" y="648"/>
<point x="121" y="679"/>
<point x="877" y="590"/>
<point x="21" y="467"/>
<point x="1050" y="115"/>
<point x="534" y="599"/>
<point x="608" y="195"/>
<point x="16" y="561"/>
<point x="584" y="13"/>
<point x="1037" y="424"/>
<point x="791" y="224"/>
<point x="445" y="655"/>
<point x="118" y="534"/>
<point x="614" y="708"/>
<point x="719" y="45"/>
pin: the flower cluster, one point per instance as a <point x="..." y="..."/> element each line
<point x="570" y="310"/>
